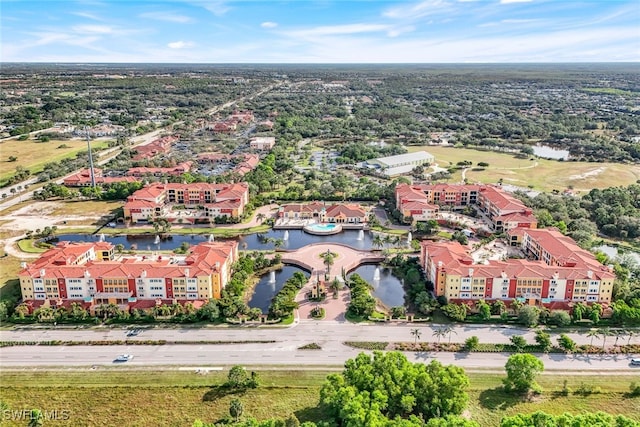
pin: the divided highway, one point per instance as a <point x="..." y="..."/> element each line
<point x="283" y="351"/>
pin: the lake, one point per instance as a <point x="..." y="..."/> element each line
<point x="548" y="152"/>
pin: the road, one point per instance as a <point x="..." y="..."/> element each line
<point x="110" y="154"/>
<point x="329" y="335"/>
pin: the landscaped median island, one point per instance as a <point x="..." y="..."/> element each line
<point x="518" y="345"/>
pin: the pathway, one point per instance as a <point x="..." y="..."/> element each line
<point x="309" y="258"/>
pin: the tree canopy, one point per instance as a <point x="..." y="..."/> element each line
<point x="373" y="391"/>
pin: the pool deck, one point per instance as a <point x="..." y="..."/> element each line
<point x="298" y="224"/>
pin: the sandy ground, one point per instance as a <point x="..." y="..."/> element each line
<point x="589" y="174"/>
<point x="38" y="215"/>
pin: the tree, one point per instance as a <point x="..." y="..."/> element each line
<point x="604" y="333"/>
<point x="560" y="318"/>
<point x="237" y="377"/>
<point x="368" y="392"/>
<point x="566" y="343"/>
<point x="529" y="315"/>
<point x="377" y="241"/>
<point x="236" y="409"/>
<point x="439" y="333"/>
<point x="593" y="333"/>
<point x="539" y="418"/>
<point x="416" y="335"/>
<point x="519" y="343"/>
<point x="328" y="258"/>
<point x="484" y="310"/>
<point x="522" y="370"/>
<point x="543" y="339"/>
<point x="36" y="418"/>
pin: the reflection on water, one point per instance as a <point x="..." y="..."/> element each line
<point x="549" y="152"/>
<point x="387" y="289"/>
<point x="612" y="252"/>
<point x="296" y="239"/>
<point x="269" y="285"/>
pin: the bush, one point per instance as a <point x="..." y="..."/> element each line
<point x="560" y="318"/>
<point x="529" y="316"/>
<point x="471" y="343"/>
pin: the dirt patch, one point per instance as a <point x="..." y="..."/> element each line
<point x="589" y="174"/>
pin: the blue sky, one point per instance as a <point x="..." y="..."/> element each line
<point x="320" y="31"/>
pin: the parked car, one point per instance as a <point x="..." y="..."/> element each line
<point x="123" y="358"/>
<point x="133" y="332"/>
<point x="635" y="361"/>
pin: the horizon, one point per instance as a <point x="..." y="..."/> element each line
<point x="320" y="32"/>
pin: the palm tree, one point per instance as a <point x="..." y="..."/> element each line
<point x="630" y="334"/>
<point x="618" y="333"/>
<point x="377" y="241"/>
<point x="260" y="217"/>
<point x="449" y="330"/>
<point x="278" y="242"/>
<point x="387" y="239"/>
<point x="439" y="333"/>
<point x="593" y="333"/>
<point x="416" y="335"/>
<point x="328" y="258"/>
<point x="397" y="240"/>
<point x="605" y="332"/>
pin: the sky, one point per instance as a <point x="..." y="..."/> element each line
<point x="320" y="31"/>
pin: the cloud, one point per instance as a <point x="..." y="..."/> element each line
<point x="269" y="24"/>
<point x="179" y="45"/>
<point x="332" y="30"/>
<point x="514" y="1"/>
<point x="166" y="16"/>
<point x="87" y="15"/>
<point x="418" y="10"/>
<point x="93" y="29"/>
<point x="218" y="8"/>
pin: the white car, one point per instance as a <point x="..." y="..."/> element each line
<point x="123" y="358"/>
<point x="635" y="361"/>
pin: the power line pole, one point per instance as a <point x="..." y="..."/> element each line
<point x="93" y="176"/>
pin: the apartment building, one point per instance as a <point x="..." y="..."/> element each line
<point x="202" y="201"/>
<point x="423" y="201"/>
<point x="90" y="273"/>
<point x="455" y="276"/>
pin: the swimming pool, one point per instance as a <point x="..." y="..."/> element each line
<point x="323" y="229"/>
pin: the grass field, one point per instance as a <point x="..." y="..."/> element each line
<point x="33" y="155"/>
<point x="545" y="175"/>
<point x="9" y="285"/>
<point x="158" y="397"/>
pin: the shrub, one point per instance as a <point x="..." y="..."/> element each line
<point x="471" y="343"/>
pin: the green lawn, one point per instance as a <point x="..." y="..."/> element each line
<point x="170" y="397"/>
<point x="541" y="174"/>
<point x="33" y="155"/>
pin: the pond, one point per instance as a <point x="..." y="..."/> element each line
<point x="388" y="288"/>
<point x="548" y="152"/>
<point x="612" y="252"/>
<point x="295" y="240"/>
<point x="269" y="285"/>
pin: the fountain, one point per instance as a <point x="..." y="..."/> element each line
<point x="211" y="238"/>
<point x="361" y="235"/>
<point x="157" y="240"/>
<point x="272" y="277"/>
<point x="409" y="238"/>
<point x="286" y="235"/>
<point x="101" y="237"/>
<point x="376" y="275"/>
